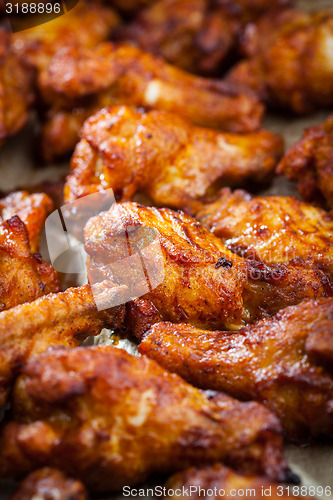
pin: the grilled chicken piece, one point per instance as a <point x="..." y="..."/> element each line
<point x="310" y="163"/>
<point x="281" y="362"/>
<point x="223" y="482"/>
<point x="271" y="229"/>
<point x="32" y="209"/>
<point x="290" y="60"/>
<point x="23" y="276"/>
<point x="113" y="419"/>
<point x="110" y="74"/>
<point x="197" y="35"/>
<point x="87" y="25"/>
<point x="16" y="89"/>
<point x="65" y="318"/>
<point x="49" y="484"/>
<point x="204" y="283"/>
<point x="165" y="157"/>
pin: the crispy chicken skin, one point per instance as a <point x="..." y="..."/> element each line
<point x="197" y="35"/>
<point x="120" y="74"/>
<point x="23" y="276"/>
<point x="16" y="89"/>
<point x="87" y="25"/>
<point x="65" y="318"/>
<point x="113" y="419"/>
<point x="224" y="482"/>
<point x="204" y="283"/>
<point x="280" y="362"/>
<point x="165" y="157"/>
<point x="271" y="229"/>
<point x="310" y="163"/>
<point x="32" y="209"/>
<point x="290" y="60"/>
<point x="49" y="484"/>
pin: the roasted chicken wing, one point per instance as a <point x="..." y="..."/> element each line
<point x="310" y="163"/>
<point x="87" y="80"/>
<point x="65" y="318"/>
<point x="32" y="209"/>
<point x="222" y="482"/>
<point x="204" y="283"/>
<point x="23" y="276"/>
<point x="271" y="229"/>
<point x="49" y="484"/>
<point x="87" y="25"/>
<point x="281" y="362"/>
<point x="290" y="61"/>
<point x="196" y="35"/>
<point x="165" y="157"/>
<point x="16" y="89"/>
<point x="111" y="419"/>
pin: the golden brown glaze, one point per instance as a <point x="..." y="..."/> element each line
<point x="65" y="318"/>
<point x="223" y="482"/>
<point x="165" y="157"/>
<point x="23" y="276"/>
<point x="111" y="75"/>
<point x="280" y="362"/>
<point x="197" y="35"/>
<point x="113" y="419"/>
<point x="16" y="90"/>
<point x="310" y="163"/>
<point x="290" y="60"/>
<point x="49" y="484"/>
<point x="32" y="209"/>
<point x="271" y="229"/>
<point x="87" y="25"/>
<point x="204" y="283"/>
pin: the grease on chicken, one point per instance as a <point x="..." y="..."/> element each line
<point x="310" y="163"/>
<point x="204" y="284"/>
<point x="271" y="229"/>
<point x="290" y="62"/>
<point x="65" y="318"/>
<point x="165" y="157"/>
<point x="109" y="74"/>
<point x="112" y="419"/>
<point x="281" y="362"/>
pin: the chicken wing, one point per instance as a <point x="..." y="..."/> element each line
<point x="16" y="89"/>
<point x="223" y="482"/>
<point x="197" y="35"/>
<point x="271" y="229"/>
<point x="290" y="61"/>
<point x="87" y="25"/>
<point x="49" y="484"/>
<point x="165" y="157"/>
<point x="112" y="419"/>
<point x="281" y="362"/>
<point x="65" y="318"/>
<point x="204" y="283"/>
<point x="32" y="209"/>
<point x="111" y="74"/>
<point x="310" y="163"/>
<point x="23" y="276"/>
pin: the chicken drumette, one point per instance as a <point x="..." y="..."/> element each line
<point x="283" y="362"/>
<point x="290" y="61"/>
<point x="165" y="157"/>
<point x="111" y="419"/>
<point x="310" y="163"/>
<point x="81" y="81"/>
<point x="272" y="229"/>
<point x="204" y="283"/>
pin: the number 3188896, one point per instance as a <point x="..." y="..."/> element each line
<point x="33" y="8"/>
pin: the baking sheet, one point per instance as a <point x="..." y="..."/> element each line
<point x="19" y="167"/>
